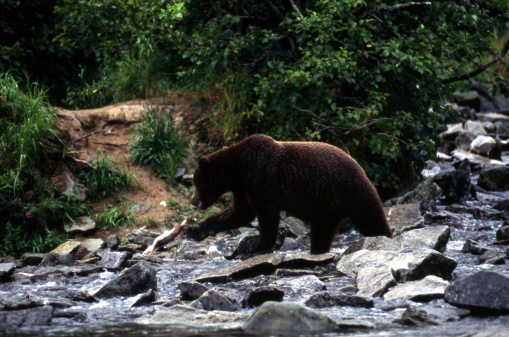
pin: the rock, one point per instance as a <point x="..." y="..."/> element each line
<point x="502" y="233"/>
<point x="260" y="295"/>
<point x="264" y="264"/>
<point x="179" y="174"/>
<point x="113" y="242"/>
<point x="475" y="158"/>
<point x="32" y="259"/>
<point x="405" y="217"/>
<point x="187" y="179"/>
<point x="470" y="99"/>
<point x="72" y="188"/>
<point x="15" y="319"/>
<point x="475" y="127"/>
<point x="191" y="317"/>
<point x="139" y="278"/>
<point x="435" y="237"/>
<point x="429" y="288"/>
<point x="463" y="140"/>
<point x="295" y="227"/>
<point x="416" y="193"/>
<point x="491" y="256"/>
<point x="443" y="312"/>
<point x="326" y="299"/>
<point x="192" y="290"/>
<point x="302" y="286"/>
<point x="374" y="281"/>
<point x="487" y="333"/>
<point x="93" y="245"/>
<point x="415" y="318"/>
<point x="484" y="292"/>
<point x="65" y="259"/>
<point x="144" y="298"/>
<point x="6" y="270"/>
<point x="69" y="247"/>
<point x="115" y="260"/>
<point x="418" y="264"/>
<point x="50" y="259"/>
<point x="289" y="317"/>
<point x="351" y="264"/>
<point x="494" y="179"/>
<point x="214" y="300"/>
<point x="452" y="131"/>
<point x="82" y="224"/>
<point x="455" y="183"/>
<point x="248" y="244"/>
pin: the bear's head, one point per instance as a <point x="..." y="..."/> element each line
<point x="208" y="184"/>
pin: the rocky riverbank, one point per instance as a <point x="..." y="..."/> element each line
<point x="444" y="273"/>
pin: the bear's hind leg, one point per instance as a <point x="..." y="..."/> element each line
<point x="322" y="234"/>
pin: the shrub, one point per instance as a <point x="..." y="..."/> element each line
<point x="102" y="179"/>
<point x="157" y="142"/>
<point x="111" y="217"/>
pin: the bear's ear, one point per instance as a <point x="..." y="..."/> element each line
<point x="204" y="162"/>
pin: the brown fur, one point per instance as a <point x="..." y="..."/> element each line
<point x="313" y="181"/>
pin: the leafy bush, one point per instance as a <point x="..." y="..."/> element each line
<point x="111" y="217"/>
<point x="365" y="76"/>
<point x="102" y="179"/>
<point x="157" y="142"/>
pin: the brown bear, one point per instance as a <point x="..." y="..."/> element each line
<point x="313" y="181"/>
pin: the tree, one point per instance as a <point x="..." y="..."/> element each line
<point x="366" y="75"/>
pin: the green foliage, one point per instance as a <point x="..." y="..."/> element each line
<point x="111" y="217"/>
<point x="157" y="142"/>
<point x="359" y="75"/>
<point x="102" y="179"/>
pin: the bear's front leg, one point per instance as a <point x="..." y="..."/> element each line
<point x="268" y="219"/>
<point x="240" y="213"/>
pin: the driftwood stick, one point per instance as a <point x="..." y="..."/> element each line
<point x="166" y="237"/>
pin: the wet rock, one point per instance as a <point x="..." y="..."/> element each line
<point x="485" y="292"/>
<point x="144" y="298"/>
<point x="463" y="140"/>
<point x="115" y="260"/>
<point x="405" y="217"/>
<point x="113" y="242"/>
<point x="416" y="193"/>
<point x="491" y="256"/>
<point x="191" y="317"/>
<point x="429" y="288"/>
<point x="82" y="225"/>
<point x="455" y="183"/>
<point x="475" y="158"/>
<point x="81" y="253"/>
<point x="32" y="259"/>
<point x="288" y="316"/>
<point x="260" y="295"/>
<point x="326" y="299"/>
<point x="6" y="270"/>
<point x="435" y="237"/>
<point x="351" y="264"/>
<point x="494" y="179"/>
<point x="69" y="247"/>
<point x="487" y="333"/>
<point x="214" y="300"/>
<point x="475" y="127"/>
<point x="452" y="131"/>
<point x="353" y="323"/>
<point x="65" y="259"/>
<point x="374" y="281"/>
<point x="295" y="272"/>
<point x="415" y="318"/>
<point x="93" y="245"/>
<point x="248" y="244"/>
<point x="502" y="233"/>
<point x="444" y="312"/>
<point x="264" y="264"/>
<point x="302" y="286"/>
<point x="50" y="259"/>
<point x="15" y="319"/>
<point x="295" y="227"/>
<point x="139" y="278"/>
<point x="416" y="265"/>
<point x="192" y="290"/>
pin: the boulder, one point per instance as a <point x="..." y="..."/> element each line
<point x="32" y="259"/>
<point x="475" y="127"/>
<point x="455" y="182"/>
<point x="415" y="265"/>
<point x="214" y="300"/>
<point x="326" y="299"/>
<point x="416" y="193"/>
<point x="82" y="224"/>
<point x="264" y="264"/>
<point x="260" y="295"/>
<point x="463" y="140"/>
<point x="115" y="260"/>
<point x="443" y="312"/>
<point x="295" y="227"/>
<point x="139" y="278"/>
<point x="429" y="288"/>
<point x="15" y="319"/>
<point x="374" y="281"/>
<point x="288" y="317"/>
<point x="485" y="292"/>
<point x="502" y="233"/>
<point x="143" y="298"/>
<point x="6" y="270"/>
<point x="69" y="247"/>
<point x="192" y="290"/>
<point x="113" y="242"/>
<point x="248" y="244"/>
<point x="494" y="179"/>
<point x="93" y="245"/>
<point x="404" y="217"/>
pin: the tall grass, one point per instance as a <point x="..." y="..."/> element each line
<point x="157" y="142"/>
<point x="103" y="178"/>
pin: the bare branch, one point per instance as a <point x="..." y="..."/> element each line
<point x="408" y="4"/>
<point x="480" y="69"/>
<point x="296" y="9"/>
